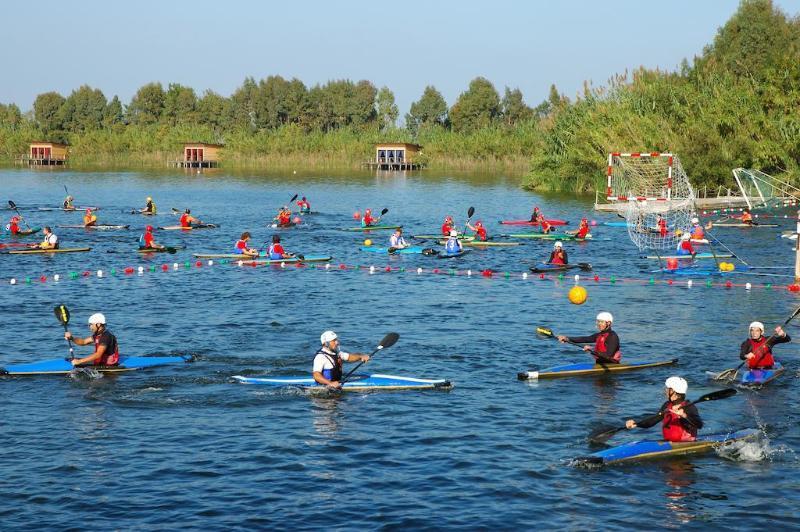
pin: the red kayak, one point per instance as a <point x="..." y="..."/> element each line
<point x="527" y="222"/>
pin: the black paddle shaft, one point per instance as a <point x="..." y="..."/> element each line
<point x="62" y="314"/>
<point x="388" y="341"/>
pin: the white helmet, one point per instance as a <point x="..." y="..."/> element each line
<point x="97" y="318"/>
<point x="453" y="232"/>
<point x="695" y="221"/>
<point x="685" y="236"/>
<point x="327" y="336"/>
<point x="757" y="325"/>
<point x="605" y="316"/>
<point x="558" y="245"/>
<point x="678" y="385"/>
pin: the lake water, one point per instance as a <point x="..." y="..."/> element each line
<point x="186" y="447"/>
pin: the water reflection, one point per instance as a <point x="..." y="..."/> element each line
<point x="326" y="414"/>
<point x="679" y="475"/>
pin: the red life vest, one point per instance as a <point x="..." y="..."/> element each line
<point x="763" y="354"/>
<point x="446" y="227"/>
<point x="368" y="219"/>
<point x="686" y="245"/>
<point x="185" y="220"/>
<point x="600" y="348"/>
<point x="558" y="258"/>
<point x="284" y="219"/>
<point x="481" y="232"/>
<point x="662" y="227"/>
<point x="672" y="427"/>
<point x="582" y="231"/>
<point x="14" y="228"/>
<point x="108" y="359"/>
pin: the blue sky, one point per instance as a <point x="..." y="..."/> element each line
<point x="120" y="46"/>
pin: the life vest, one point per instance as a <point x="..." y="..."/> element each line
<point x="185" y="220"/>
<point x="452" y="245"/>
<point x="557" y="258"/>
<point x="481" y="233"/>
<point x="275" y="251"/>
<point x="545" y="226"/>
<point x="68" y="205"/>
<point x="335" y="373"/>
<point x="446" y="227"/>
<point x="698" y="233"/>
<point x="673" y="429"/>
<point x="600" y="347"/>
<point x="763" y="354"/>
<point x="150" y="207"/>
<point x="14" y="228"/>
<point x="747" y="217"/>
<point x="685" y="248"/>
<point x="108" y="358"/>
<point x="582" y="231"/>
<point x="367" y="220"/>
<point x="284" y="219"/>
<point x="239" y="247"/>
<point x="89" y="219"/>
<point x="397" y="242"/>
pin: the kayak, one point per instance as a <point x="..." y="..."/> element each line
<point x="549" y="236"/>
<point x="544" y="267"/>
<point x="40" y="251"/>
<point x="617" y="224"/>
<point x="26" y="232"/>
<point x="373" y="228"/>
<point x="76" y="209"/>
<point x="99" y="227"/>
<point x="196" y="226"/>
<point x="60" y="366"/>
<point x="481" y="244"/>
<point x="356" y="383"/>
<point x="703" y="255"/>
<point x="404" y="251"/>
<point x="166" y="249"/>
<point x="282" y="226"/>
<point x="648" y="449"/>
<point x="463" y="238"/>
<point x="760" y="377"/>
<point x="731" y="224"/>
<point x="227" y="256"/>
<point x="443" y="255"/>
<point x="306" y="258"/>
<point x="528" y="222"/>
<point x="590" y="368"/>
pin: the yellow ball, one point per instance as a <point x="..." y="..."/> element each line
<point x="577" y="295"/>
<point x="368" y="242"/>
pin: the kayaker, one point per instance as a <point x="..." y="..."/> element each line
<point x="13" y="225"/>
<point x="146" y="241"/>
<point x="480" y="230"/>
<point x="448" y="225"/>
<point x="397" y="241"/>
<point x="544" y="225"/>
<point x="187" y="220"/>
<point x="149" y="207"/>
<point x="535" y="215"/>
<point x="67" y="205"/>
<point x="685" y="246"/>
<point x="453" y="245"/>
<point x="304" y="206"/>
<point x="558" y="255"/>
<point x="284" y="218"/>
<point x="661" y="225"/>
<point x="747" y="217"/>
<point x="680" y="420"/>
<point x="276" y="251"/>
<point x="240" y="248"/>
<point x="328" y="361"/>
<point x="50" y="239"/>
<point x="106" y="349"/>
<point x="757" y="350"/>
<point x="606" y="341"/>
<point x="583" y="229"/>
<point x="367" y="220"/>
<point x="697" y="230"/>
<point x="89" y="219"/>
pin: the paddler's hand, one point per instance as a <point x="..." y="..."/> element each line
<point x="67" y="335"/>
<point x="748" y="356"/>
<point x="678" y="411"/>
<point x="365" y="358"/>
<point x="336" y="385"/>
<point x="779" y="331"/>
<point x="561" y="338"/>
<point x="630" y="424"/>
<point x="587" y="348"/>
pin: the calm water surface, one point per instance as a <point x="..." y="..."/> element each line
<point x="186" y="447"/>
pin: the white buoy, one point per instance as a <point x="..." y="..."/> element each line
<point x="372" y="269"/>
<point x="419" y="270"/>
<point x="689" y="283"/>
<point x="283" y="264"/>
<point x="99" y="273"/>
<point x="327" y="266"/>
<point x="748" y="286"/>
<point x="13" y="281"/>
<point x="524" y="275"/>
<point x="140" y="269"/>
<point x="210" y="262"/>
<point x="469" y="273"/>
<point x="174" y="265"/>
<point x="240" y="263"/>
<point x="577" y="277"/>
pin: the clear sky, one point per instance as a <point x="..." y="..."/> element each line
<point x="119" y="46"/>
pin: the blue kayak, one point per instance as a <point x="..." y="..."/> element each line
<point x="60" y="366"/>
<point x="410" y="250"/>
<point x="356" y="383"/>
<point x="649" y="449"/>
<point x="760" y="377"/>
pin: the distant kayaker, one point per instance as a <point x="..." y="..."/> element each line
<point x="453" y="245"/>
<point x="747" y="217"/>
<point x="149" y="207"/>
<point x="276" y="251"/>
<point x="448" y="225"/>
<point x="757" y="350"/>
<point x="685" y="246"/>
<point x="367" y="220"/>
<point x="536" y="215"/>
<point x="680" y="420"/>
<point x="146" y="241"/>
<point x="544" y="225"/>
<point x="187" y="220"/>
<point x="480" y="230"/>
<point x="606" y="341"/>
<point x="13" y="225"/>
<point x="558" y="255"/>
<point x="284" y="217"/>
<point x="397" y="241"/>
<point x="241" y="248"/>
<point x="328" y="361"/>
<point x="89" y="219"/>
<point x="661" y="225"/>
<point x="50" y="240"/>
<point x="106" y="349"/>
<point x="304" y="206"/>
<point x="583" y="229"/>
<point x="697" y="232"/>
<point x="67" y="205"/>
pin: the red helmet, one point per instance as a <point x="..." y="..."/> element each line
<point x="478" y="223"/>
<point x="368" y="210"/>
<point x="149" y="228"/>
<point x="88" y="211"/>
<point x="15" y="219"/>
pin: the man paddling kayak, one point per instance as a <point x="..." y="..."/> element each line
<point x="276" y="251"/>
<point x="240" y="248"/>
<point x="106" y="349"/>
<point x="606" y="341"/>
<point x="661" y="224"/>
<point x="448" y="225"/>
<point x="146" y="241"/>
<point x="89" y="219"/>
<point x="697" y="232"/>
<point x="149" y="207"/>
<point x="757" y="350"/>
<point x="284" y="217"/>
<point x="13" y="225"/>
<point x="685" y="246"/>
<point x="680" y="419"/>
<point x="397" y="241"/>
<point x="583" y="229"/>
<point x="480" y="230"/>
<point x="50" y="239"/>
<point x="453" y="245"/>
<point x="328" y="361"/>
<point x="367" y="220"/>
<point x="67" y="205"/>
<point x="536" y="215"/>
<point x="558" y="255"/>
<point x="544" y="226"/>
<point x="187" y="220"/>
<point x="304" y="206"/>
<point x="747" y="217"/>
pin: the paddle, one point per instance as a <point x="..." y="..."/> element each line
<point x="62" y="314"/>
<point x="602" y="435"/>
<point x="549" y="334"/>
<point x="14" y="206"/>
<point x="470" y="212"/>
<point x="730" y="374"/>
<point x="388" y="341"/>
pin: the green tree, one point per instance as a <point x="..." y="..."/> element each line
<point x="212" y="110"/>
<point x="83" y="110"/>
<point x="430" y="109"/>
<point x="514" y="108"/>
<point x="296" y="102"/>
<point x="10" y="116"/>
<point x="147" y="105"/>
<point x="46" y="112"/>
<point x="386" y="108"/>
<point x="477" y="108"/>
<point x="270" y="103"/>
<point x="242" y="108"/>
<point x="180" y="105"/>
<point x="113" y="114"/>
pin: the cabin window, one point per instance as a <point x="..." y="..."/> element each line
<point x="381" y="156"/>
<point x="400" y="155"/>
<point x="200" y="154"/>
<point x="47" y="153"/>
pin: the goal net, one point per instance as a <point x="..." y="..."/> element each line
<point x="762" y="190"/>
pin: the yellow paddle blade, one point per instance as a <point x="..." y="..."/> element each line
<point x="544" y="331"/>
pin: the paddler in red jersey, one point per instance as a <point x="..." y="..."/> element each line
<point x="583" y="229"/>
<point x="558" y="255"/>
<point x="106" y="349"/>
<point x="536" y="215"/>
<point x="544" y="225"/>
<point x="89" y="219"/>
<point x="146" y="241"/>
<point x="448" y="225"/>
<point x="13" y="225"/>
<point x="606" y="341"/>
<point x="304" y="206"/>
<point x="747" y="217"/>
<point x="680" y="420"/>
<point x="480" y="231"/>
<point x="284" y="218"/>
<point x="661" y="224"/>
<point x="367" y="220"/>
<point x="757" y="350"/>
<point x="187" y="220"/>
<point x="685" y="246"/>
<point x="240" y="248"/>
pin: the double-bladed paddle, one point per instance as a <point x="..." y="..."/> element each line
<point x="62" y="314"/>
<point x="470" y="212"/>
<point x="547" y="333"/>
<point x="14" y="206"/>
<point x="388" y="341"/>
<point x="602" y="435"/>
